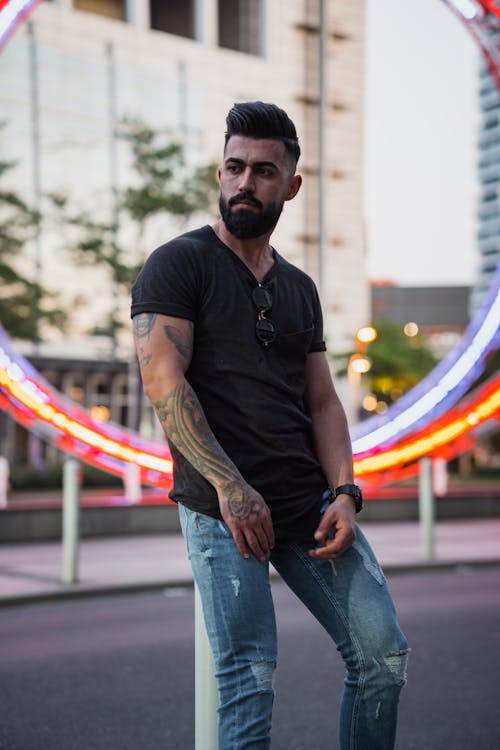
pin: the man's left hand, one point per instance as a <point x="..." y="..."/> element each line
<point x="337" y="530"/>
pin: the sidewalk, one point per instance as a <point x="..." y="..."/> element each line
<point x="32" y="572"/>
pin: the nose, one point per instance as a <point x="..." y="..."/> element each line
<point x="246" y="182"/>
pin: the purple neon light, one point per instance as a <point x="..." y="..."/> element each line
<point x="466" y="360"/>
<point x="463" y="365"/>
<point x="23" y="371"/>
<point x="11" y="16"/>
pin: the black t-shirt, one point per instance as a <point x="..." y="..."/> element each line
<point x="252" y="395"/>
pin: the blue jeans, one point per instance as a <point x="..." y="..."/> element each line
<point x="348" y="596"/>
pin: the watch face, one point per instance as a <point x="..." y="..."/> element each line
<point x="354" y="491"/>
<point x="349" y="489"/>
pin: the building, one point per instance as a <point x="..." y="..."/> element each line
<point x="489" y="184"/>
<point x="78" y="67"/>
<point x="440" y="312"/>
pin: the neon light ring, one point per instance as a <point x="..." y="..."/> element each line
<point x="426" y="421"/>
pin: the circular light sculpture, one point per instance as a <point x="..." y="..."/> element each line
<point x="429" y="420"/>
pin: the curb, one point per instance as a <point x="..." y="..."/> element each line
<point x="85" y="591"/>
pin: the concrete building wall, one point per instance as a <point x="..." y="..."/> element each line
<point x="87" y="64"/>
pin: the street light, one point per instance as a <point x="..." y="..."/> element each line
<point x="410" y="329"/>
<point x="365" y="335"/>
<point x="359" y="364"/>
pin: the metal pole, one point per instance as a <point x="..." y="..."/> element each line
<point x="426" y="507"/>
<point x="4" y="481"/>
<point x="321" y="146"/>
<point x="206" y="698"/>
<point x="132" y="483"/>
<point x="71" y="513"/>
<point x="113" y="181"/>
<point x="37" y="190"/>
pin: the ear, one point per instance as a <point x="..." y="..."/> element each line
<point x="295" y="184"/>
<point x="218" y="174"/>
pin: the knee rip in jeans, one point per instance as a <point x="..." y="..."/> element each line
<point x="396" y="664"/>
<point x="263" y="674"/>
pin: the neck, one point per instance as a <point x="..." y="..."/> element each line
<point x="256" y="254"/>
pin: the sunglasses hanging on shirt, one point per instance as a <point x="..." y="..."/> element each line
<point x="264" y="328"/>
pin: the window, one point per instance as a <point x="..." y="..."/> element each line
<point x="73" y="385"/>
<point x="240" y="25"/>
<point x="99" y="396"/>
<point x="174" y="16"/>
<point x="111" y="8"/>
<point x="119" y="399"/>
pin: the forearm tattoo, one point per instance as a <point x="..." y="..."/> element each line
<point x="185" y="424"/>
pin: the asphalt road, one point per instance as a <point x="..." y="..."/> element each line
<point x="117" y="673"/>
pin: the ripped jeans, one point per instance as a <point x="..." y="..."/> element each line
<point x="348" y="596"/>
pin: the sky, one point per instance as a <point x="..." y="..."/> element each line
<point x="420" y="144"/>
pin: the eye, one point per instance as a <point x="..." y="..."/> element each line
<point x="265" y="171"/>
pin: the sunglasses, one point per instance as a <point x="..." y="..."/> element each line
<point x="264" y="328"/>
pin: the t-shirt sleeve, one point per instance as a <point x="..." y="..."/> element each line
<point x="167" y="283"/>
<point x="317" y="344"/>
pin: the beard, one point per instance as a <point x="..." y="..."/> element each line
<point x="246" y="224"/>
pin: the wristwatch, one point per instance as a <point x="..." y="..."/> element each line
<point x="350" y="489"/>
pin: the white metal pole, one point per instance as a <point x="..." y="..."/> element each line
<point x="321" y="147"/>
<point x="71" y="513"/>
<point x="132" y="483"/>
<point x="206" y="698"/>
<point x="36" y="151"/>
<point x="426" y="507"/>
<point x="4" y="481"/>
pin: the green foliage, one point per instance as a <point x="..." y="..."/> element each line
<point x="25" y="305"/>
<point x="164" y="185"/>
<point x="398" y="362"/>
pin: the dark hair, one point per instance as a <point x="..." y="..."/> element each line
<point x="261" y="120"/>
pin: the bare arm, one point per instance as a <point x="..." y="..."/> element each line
<point x="333" y="448"/>
<point x="164" y="348"/>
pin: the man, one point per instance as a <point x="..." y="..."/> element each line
<point x="230" y="343"/>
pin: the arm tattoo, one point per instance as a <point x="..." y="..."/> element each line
<point x="185" y="424"/>
<point x="144" y="357"/>
<point x="143" y="324"/>
<point x="181" y="343"/>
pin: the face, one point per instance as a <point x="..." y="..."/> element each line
<point x="256" y="178"/>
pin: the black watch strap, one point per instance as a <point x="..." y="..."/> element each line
<point x="354" y="491"/>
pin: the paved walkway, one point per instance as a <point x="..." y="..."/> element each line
<point x="33" y="572"/>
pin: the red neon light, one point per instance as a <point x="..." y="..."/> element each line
<point x="39" y="408"/>
<point x="492" y="5"/>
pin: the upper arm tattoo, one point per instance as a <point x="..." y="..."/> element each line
<point x="182" y="343"/>
<point x="143" y="324"/>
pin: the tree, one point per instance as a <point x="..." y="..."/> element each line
<point x="165" y="186"/>
<point x="398" y="361"/>
<point x="25" y="305"/>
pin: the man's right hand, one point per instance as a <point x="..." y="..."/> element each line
<point x="248" y="517"/>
